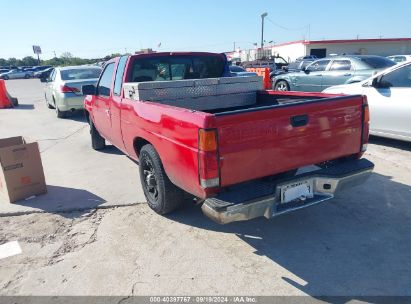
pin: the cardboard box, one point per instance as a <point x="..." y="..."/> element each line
<point x="21" y="171"/>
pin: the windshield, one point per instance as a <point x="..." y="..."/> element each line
<point x="280" y="60"/>
<point x="378" y="62"/>
<point x="176" y="68"/>
<point x="75" y="74"/>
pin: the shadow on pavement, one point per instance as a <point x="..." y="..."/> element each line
<point x="24" y="107"/>
<point x="77" y="116"/>
<point x="61" y="199"/>
<point x="110" y="149"/>
<point x="357" y="245"/>
<point x="393" y="143"/>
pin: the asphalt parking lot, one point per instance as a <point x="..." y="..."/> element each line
<point x="92" y="233"/>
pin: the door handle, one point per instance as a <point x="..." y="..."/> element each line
<point x="299" y="121"/>
<point x="348" y="74"/>
<point x="319" y="75"/>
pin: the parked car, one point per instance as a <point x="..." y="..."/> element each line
<point x="300" y="64"/>
<point x="41" y="68"/>
<point x="389" y="96"/>
<point x="276" y="65"/>
<point x="225" y="141"/>
<point x="16" y="74"/>
<point x="240" y="71"/>
<point x="43" y="73"/>
<point x="63" y="87"/>
<point x="400" y="58"/>
<point x="330" y="71"/>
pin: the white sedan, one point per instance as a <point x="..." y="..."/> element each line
<point x="389" y="99"/>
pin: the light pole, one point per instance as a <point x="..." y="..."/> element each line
<point x="262" y="28"/>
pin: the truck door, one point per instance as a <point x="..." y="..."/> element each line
<point x="116" y="104"/>
<point x="101" y="106"/>
<point x="311" y="80"/>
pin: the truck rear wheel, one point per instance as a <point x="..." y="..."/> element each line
<point x="161" y="194"/>
<point x="97" y="141"/>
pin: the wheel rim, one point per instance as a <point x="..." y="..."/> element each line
<point x="150" y="178"/>
<point x="282" y="86"/>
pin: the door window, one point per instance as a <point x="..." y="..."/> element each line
<point x="400" y="78"/>
<point x="318" y="66"/>
<point x="53" y="76"/>
<point x="104" y="85"/>
<point x="340" y="65"/>
<point x="119" y="75"/>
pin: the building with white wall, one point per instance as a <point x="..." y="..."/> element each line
<point x="322" y="48"/>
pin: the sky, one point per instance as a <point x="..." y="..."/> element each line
<point x="95" y="28"/>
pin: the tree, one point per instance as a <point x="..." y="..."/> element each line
<point x="66" y="55"/>
<point x="30" y="61"/>
<point x="12" y="61"/>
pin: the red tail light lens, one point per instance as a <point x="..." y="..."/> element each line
<point x="67" y="89"/>
<point x="366" y="125"/>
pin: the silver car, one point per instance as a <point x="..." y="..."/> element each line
<point x="16" y="74"/>
<point x="389" y="96"/>
<point x="63" y="87"/>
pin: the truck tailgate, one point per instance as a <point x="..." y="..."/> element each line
<point x="264" y="142"/>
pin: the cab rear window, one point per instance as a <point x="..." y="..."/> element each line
<point x="176" y="68"/>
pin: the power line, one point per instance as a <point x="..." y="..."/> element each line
<point x="288" y="28"/>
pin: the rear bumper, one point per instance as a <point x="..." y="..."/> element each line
<point x="70" y="101"/>
<point x="261" y="198"/>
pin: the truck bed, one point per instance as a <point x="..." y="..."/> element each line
<point x="266" y="99"/>
<point x="262" y="133"/>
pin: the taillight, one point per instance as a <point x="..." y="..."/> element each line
<point x="209" y="171"/>
<point x="366" y="125"/>
<point x="67" y="89"/>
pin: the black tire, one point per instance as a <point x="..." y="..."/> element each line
<point x="6" y="77"/>
<point x="47" y="102"/>
<point x="161" y="194"/>
<point x="282" y="86"/>
<point x="27" y="76"/>
<point x="14" y="101"/>
<point x="97" y="141"/>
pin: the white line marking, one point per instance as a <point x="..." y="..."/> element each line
<point x="9" y="249"/>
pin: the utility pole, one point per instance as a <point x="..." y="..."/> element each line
<point x="234" y="46"/>
<point x="55" y="56"/>
<point x="262" y="28"/>
<point x="309" y="32"/>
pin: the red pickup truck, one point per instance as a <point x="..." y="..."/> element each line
<point x="196" y="131"/>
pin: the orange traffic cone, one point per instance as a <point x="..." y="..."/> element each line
<point x="6" y="101"/>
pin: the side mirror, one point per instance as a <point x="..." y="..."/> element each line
<point x="379" y="83"/>
<point x="305" y="70"/>
<point x="43" y="80"/>
<point x="89" y="89"/>
<point x="375" y="82"/>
